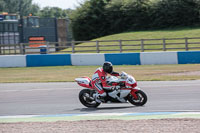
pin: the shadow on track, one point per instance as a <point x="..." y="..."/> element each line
<point x="104" y="108"/>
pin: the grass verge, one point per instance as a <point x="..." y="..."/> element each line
<point x="69" y="73"/>
<point x="171" y="45"/>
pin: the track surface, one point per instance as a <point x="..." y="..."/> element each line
<point x="62" y="98"/>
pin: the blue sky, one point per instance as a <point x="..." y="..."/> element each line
<point x="64" y="4"/>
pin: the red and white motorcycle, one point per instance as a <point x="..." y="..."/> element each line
<point x="125" y="90"/>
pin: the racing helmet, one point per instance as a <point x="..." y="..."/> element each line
<point x="107" y="67"/>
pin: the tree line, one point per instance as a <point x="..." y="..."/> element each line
<point x="26" y="7"/>
<point x="96" y="18"/>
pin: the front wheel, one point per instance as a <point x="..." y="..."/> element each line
<point x="85" y="97"/>
<point x="141" y="98"/>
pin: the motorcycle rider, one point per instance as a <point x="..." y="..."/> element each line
<point x="99" y="79"/>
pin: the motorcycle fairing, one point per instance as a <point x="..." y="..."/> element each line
<point x="84" y="82"/>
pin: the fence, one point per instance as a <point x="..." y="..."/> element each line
<point x="9" y="33"/>
<point x="109" y="46"/>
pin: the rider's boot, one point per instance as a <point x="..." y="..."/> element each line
<point x="99" y="97"/>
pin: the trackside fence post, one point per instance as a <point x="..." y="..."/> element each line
<point x="22" y="49"/>
<point x="73" y="47"/>
<point x="186" y="44"/>
<point x="164" y="45"/>
<point x="47" y="43"/>
<point x="120" y="45"/>
<point x="142" y="45"/>
<point x="97" y="46"/>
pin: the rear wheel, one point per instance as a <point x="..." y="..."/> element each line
<point x="85" y="97"/>
<point x="141" y="98"/>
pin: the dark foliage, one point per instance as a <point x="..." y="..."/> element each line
<point x="96" y="18"/>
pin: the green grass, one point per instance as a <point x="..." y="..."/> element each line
<point x="138" y="35"/>
<point x="155" y="34"/>
<point x="69" y="73"/>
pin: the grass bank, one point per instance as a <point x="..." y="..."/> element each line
<point x="69" y="73"/>
<point x="138" y="35"/>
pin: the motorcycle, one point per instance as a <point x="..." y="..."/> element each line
<point x="124" y="90"/>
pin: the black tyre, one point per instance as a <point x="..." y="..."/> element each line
<point x="85" y="97"/>
<point x="142" y="98"/>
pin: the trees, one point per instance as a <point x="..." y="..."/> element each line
<point x="51" y="12"/>
<point x="95" y="18"/>
<point x="88" y="21"/>
<point x="54" y="12"/>
<point x="26" y="7"/>
<point x="136" y="14"/>
<point x="170" y="13"/>
<point x="114" y="16"/>
<point x="23" y="7"/>
<point x="35" y="9"/>
<point x="2" y="5"/>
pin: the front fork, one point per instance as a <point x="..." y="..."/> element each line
<point x="133" y="92"/>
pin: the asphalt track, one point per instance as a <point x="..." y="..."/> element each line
<point x="62" y="98"/>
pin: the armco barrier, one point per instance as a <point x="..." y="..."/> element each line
<point x="12" y="61"/>
<point x="48" y="60"/>
<point x="87" y="59"/>
<point x="143" y="58"/>
<point x="123" y="58"/>
<point x="149" y="58"/>
<point x="189" y="57"/>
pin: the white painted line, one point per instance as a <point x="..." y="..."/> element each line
<point x="189" y="113"/>
<point x="103" y="114"/>
<point x="18" y="116"/>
